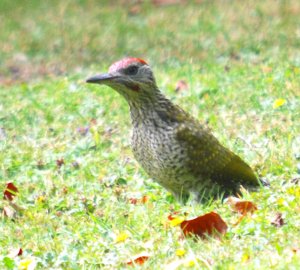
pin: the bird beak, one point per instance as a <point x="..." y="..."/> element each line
<point x="101" y="78"/>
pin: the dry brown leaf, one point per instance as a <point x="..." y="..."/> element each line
<point x="138" y="259"/>
<point x="10" y="191"/>
<point x="240" y="206"/>
<point x="278" y="221"/>
<point x="181" y="86"/>
<point x="60" y="162"/>
<point x="15" y="252"/>
<point x="208" y="224"/>
<point x="142" y="200"/>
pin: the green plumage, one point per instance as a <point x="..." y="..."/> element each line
<point x="209" y="158"/>
<point x="173" y="147"/>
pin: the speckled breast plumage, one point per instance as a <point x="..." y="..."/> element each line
<point x="156" y="148"/>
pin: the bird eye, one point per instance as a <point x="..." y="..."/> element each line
<point x="132" y="70"/>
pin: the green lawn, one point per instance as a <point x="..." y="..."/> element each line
<point x="239" y="59"/>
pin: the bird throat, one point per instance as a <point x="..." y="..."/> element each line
<point x="150" y="110"/>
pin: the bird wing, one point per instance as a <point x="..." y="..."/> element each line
<point x="208" y="158"/>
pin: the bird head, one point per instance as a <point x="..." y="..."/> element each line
<point x="131" y="77"/>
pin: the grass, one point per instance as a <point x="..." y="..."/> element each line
<point x="238" y="58"/>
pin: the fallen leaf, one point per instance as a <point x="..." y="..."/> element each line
<point x="59" y="213"/>
<point x="278" y="221"/>
<point x="142" y="200"/>
<point x="138" y="259"/>
<point x="93" y="121"/>
<point x="181" y="85"/>
<point x="133" y="200"/>
<point x="170" y="217"/>
<point x="64" y="190"/>
<point x="83" y="131"/>
<point x="278" y="103"/>
<point x="20" y="252"/>
<point x="10" y="191"/>
<point x="207" y="224"/>
<point x="60" y="162"/>
<point x="240" y="206"/>
<point x="15" y="252"/>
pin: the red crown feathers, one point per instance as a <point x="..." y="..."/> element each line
<point x="124" y="63"/>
